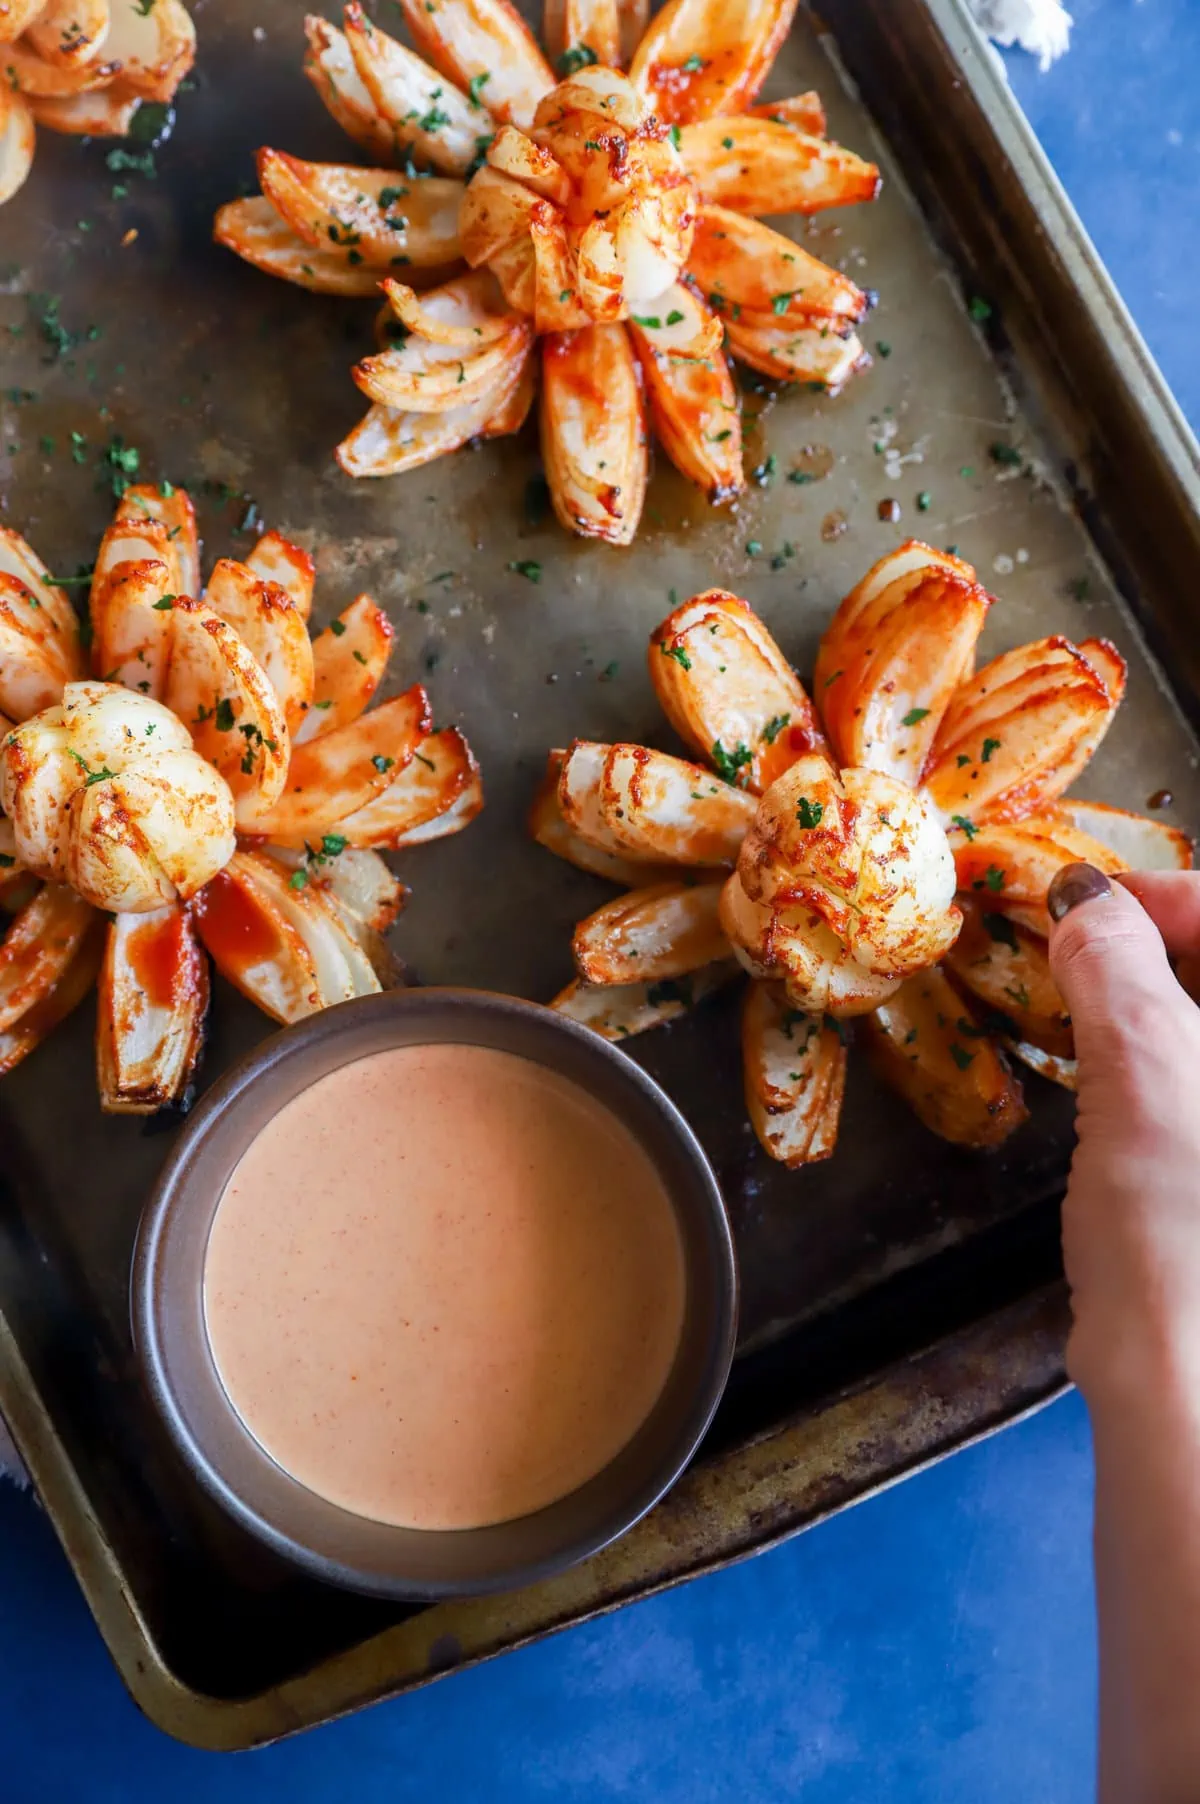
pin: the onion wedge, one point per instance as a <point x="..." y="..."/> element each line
<point x="426" y="376"/>
<point x="729" y="692"/>
<point x="438" y="792"/>
<point x="348" y="662"/>
<point x="803" y="112"/>
<point x="102" y="113"/>
<point x="795" y="1077"/>
<point x="618" y="1011"/>
<point x="254" y="945"/>
<point x="798" y="353"/>
<point x="338" y="774"/>
<point x="593" y="432"/>
<point x="262" y="616"/>
<point x="762" y="165"/>
<point x="1006" y="969"/>
<point x="172" y="508"/>
<point x="68" y="34"/>
<point x="547" y="825"/>
<point x="578" y="25"/>
<point x="426" y="113"/>
<point x="256" y="233"/>
<point x="1142" y="844"/>
<point x="40" y="1020"/>
<point x="330" y="67"/>
<point x="32" y="668"/>
<point x="153" y="1000"/>
<point x="384" y="222"/>
<point x="17" y="140"/>
<point x="40" y="944"/>
<point x="1021" y="730"/>
<point x="885" y="697"/>
<point x="742" y="264"/>
<point x="22" y="68"/>
<point x="480" y="41"/>
<point x="276" y="560"/>
<point x="155" y="45"/>
<point x="927" y="1047"/>
<point x="131" y="626"/>
<point x="690" y="389"/>
<point x="665" y="930"/>
<point x="358" y="881"/>
<point x="217" y="687"/>
<point x="19" y="559"/>
<point x="1012" y="866"/>
<point x="389" y="440"/>
<point x="660" y="807"/>
<point x="699" y="58"/>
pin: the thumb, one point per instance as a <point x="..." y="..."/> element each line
<point x="1108" y="960"/>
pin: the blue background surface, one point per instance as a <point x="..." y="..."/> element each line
<point x="934" y="1644"/>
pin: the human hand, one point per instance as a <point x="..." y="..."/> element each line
<point x="1131" y="1220"/>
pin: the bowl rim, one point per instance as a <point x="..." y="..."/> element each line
<point x="174" y="1195"/>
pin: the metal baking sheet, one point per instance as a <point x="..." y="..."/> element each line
<point x="898" y="1299"/>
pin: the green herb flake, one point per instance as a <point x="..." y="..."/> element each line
<point x="990" y="746"/>
<point x="579" y="56"/>
<point x="693" y="65"/>
<point x="476" y="86"/>
<point x="914" y="716"/>
<point x="676" y="136"/>
<point x="883" y="347"/>
<point x="924" y="501"/>
<point x="809" y="814"/>
<point x="774" y="727"/>
<point x="381" y="763"/>
<point x="677" y="652"/>
<point x="529" y="568"/>
<point x="224" y="717"/>
<point x="966" y="826"/>
<point x="979" y="309"/>
<point x="1002" y="453"/>
<point x="962" y="759"/>
<point x="730" y="764"/>
<point x="753" y="547"/>
<point x="1001" y="930"/>
<point x="165" y="604"/>
<point x="298" y="880"/>
<point x="781" y="302"/>
<point x="961" y="1057"/>
<point x="651" y="321"/>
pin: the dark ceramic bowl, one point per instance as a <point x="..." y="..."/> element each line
<point x="172" y="1341"/>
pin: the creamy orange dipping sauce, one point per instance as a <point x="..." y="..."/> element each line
<point x="444" y="1287"/>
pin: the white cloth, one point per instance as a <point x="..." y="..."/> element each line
<point x="1042" y="27"/>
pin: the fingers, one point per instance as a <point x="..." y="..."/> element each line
<point x="1172" y="900"/>
<point x="1108" y="959"/>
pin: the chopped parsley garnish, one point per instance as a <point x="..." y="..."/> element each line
<point x="331" y="845"/>
<point x="676" y="136"/>
<point x="781" y="302"/>
<point x="913" y="716"/>
<point x="650" y="320"/>
<point x="961" y="1058"/>
<point x="979" y="309"/>
<point x="671" y="989"/>
<point x="7" y="861"/>
<point x="993" y="879"/>
<point x="730" y="764"/>
<point x="1002" y="453"/>
<point x="141" y="162"/>
<point x="475" y="86"/>
<point x="763" y="472"/>
<point x="718" y="438"/>
<point x="381" y="763"/>
<point x="165" y="603"/>
<point x="883" y="347"/>
<point x="579" y="56"/>
<point x="122" y="462"/>
<point x="809" y="813"/>
<point x="1002" y="930"/>
<point x="753" y="547"/>
<point x="774" y="727"/>
<point x="527" y="567"/>
<point x="801" y="476"/>
<point x="1079" y="587"/>
<point x="337" y="628"/>
<point x="677" y="652"/>
<point x="91" y="776"/>
<point x="693" y="65"/>
<point x="54" y="333"/>
<point x="962" y="759"/>
<point x="674" y="317"/>
<point x="727" y="143"/>
<point x="990" y="746"/>
<point x="924" y="501"/>
<point x="223" y="715"/>
<point x="967" y="826"/>
<point x="298" y="880"/>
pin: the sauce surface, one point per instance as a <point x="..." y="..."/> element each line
<point x="443" y="1286"/>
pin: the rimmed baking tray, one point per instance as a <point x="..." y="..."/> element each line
<point x="899" y="1300"/>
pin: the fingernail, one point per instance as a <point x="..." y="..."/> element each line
<point x="1074" y="884"/>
